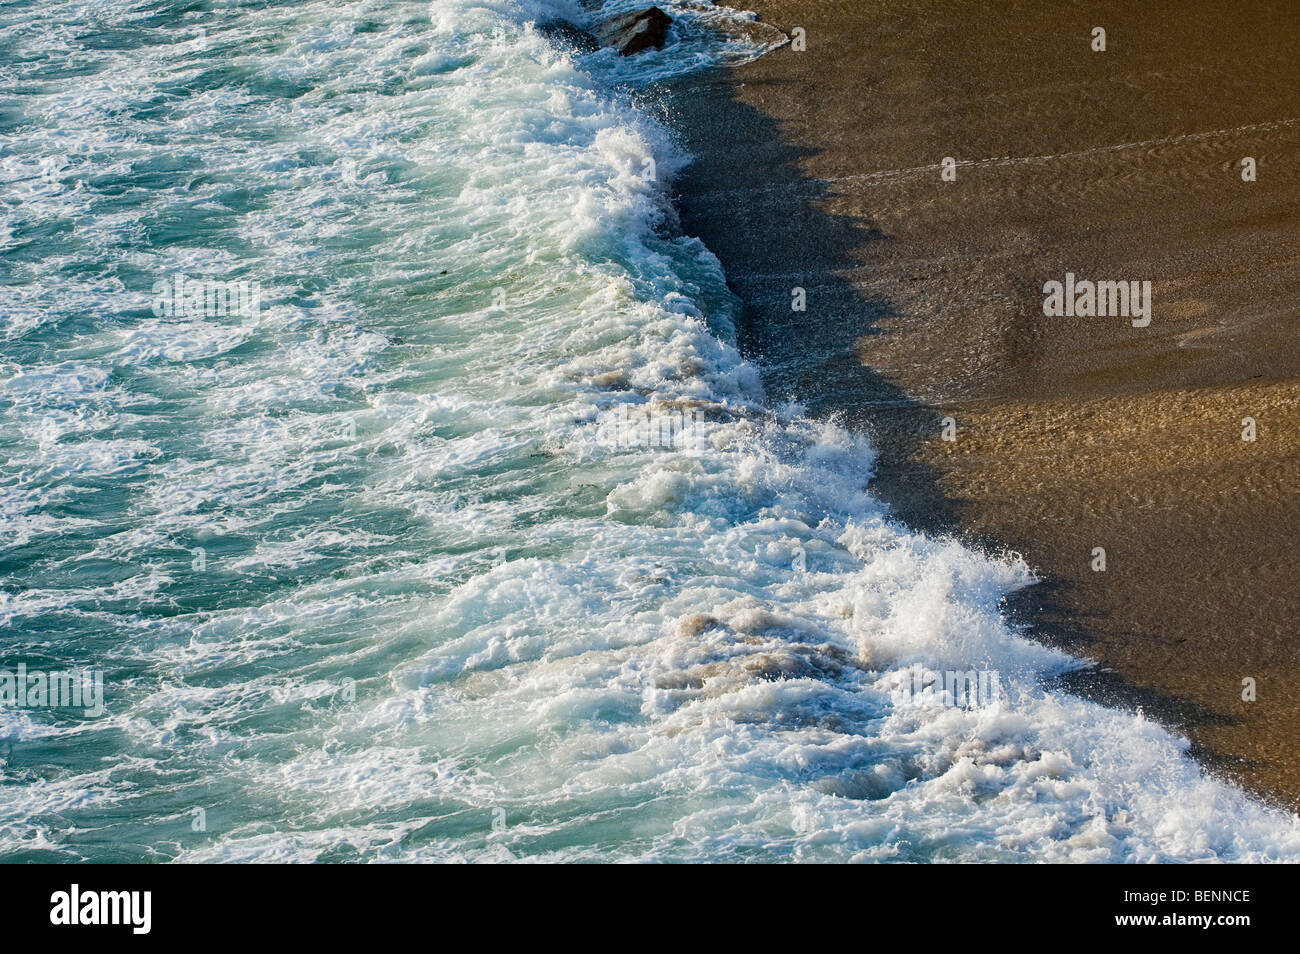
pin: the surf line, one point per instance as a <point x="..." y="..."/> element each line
<point x="886" y="175"/>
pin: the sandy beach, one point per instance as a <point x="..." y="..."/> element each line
<point x="823" y="170"/>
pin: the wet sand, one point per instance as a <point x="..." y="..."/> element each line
<point x="822" y="170"/>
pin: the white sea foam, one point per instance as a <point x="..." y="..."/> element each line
<point x="366" y="583"/>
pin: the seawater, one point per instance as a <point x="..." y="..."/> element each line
<point x="365" y="571"/>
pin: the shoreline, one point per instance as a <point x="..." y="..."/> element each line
<point x="820" y="170"/>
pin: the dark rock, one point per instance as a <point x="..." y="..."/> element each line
<point x="633" y="32"/>
<point x="569" y="37"/>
